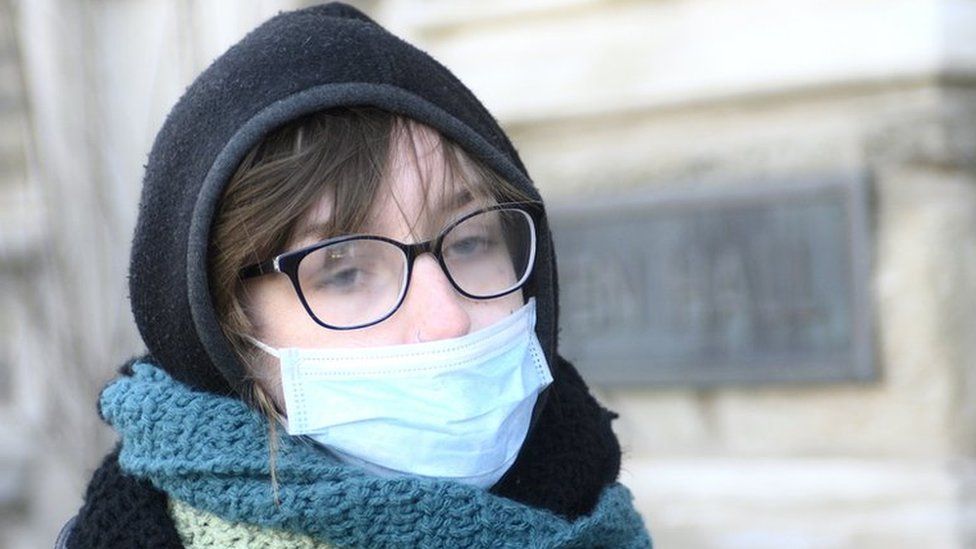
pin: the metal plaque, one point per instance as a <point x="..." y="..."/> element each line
<point x="761" y="284"/>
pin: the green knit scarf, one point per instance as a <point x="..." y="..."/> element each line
<point x="211" y="453"/>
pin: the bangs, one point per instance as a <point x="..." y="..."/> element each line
<point x="449" y="181"/>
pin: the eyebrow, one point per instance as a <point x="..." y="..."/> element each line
<point x="320" y="230"/>
<point x="460" y="199"/>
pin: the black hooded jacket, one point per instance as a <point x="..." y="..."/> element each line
<point x="294" y="64"/>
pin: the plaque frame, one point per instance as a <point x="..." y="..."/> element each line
<point x="843" y="195"/>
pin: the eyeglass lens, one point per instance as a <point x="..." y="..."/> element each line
<point x="360" y="281"/>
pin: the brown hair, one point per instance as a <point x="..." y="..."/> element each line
<point x="341" y="153"/>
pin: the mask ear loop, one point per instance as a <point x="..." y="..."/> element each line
<point x="279" y="417"/>
<point x="263" y="346"/>
<point x="282" y="418"/>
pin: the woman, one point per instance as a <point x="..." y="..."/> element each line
<point x="336" y="240"/>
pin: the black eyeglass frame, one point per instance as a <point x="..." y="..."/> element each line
<point x="288" y="262"/>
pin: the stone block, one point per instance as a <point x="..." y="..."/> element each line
<point x="802" y="503"/>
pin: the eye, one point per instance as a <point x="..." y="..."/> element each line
<point x="343" y="278"/>
<point x="340" y="270"/>
<point x="470" y="247"/>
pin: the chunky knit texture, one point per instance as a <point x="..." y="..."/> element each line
<point x="121" y="511"/>
<point x="212" y="453"/>
<point x="202" y="530"/>
<point x="573" y="428"/>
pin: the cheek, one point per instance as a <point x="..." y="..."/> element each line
<point x="278" y="317"/>
<point x="266" y="302"/>
<point x="486" y="313"/>
<point x="280" y="320"/>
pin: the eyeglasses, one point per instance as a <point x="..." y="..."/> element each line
<point x="356" y="281"/>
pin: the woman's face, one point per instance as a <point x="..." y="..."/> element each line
<point x="431" y="310"/>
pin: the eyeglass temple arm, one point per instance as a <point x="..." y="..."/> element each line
<point x="259" y="269"/>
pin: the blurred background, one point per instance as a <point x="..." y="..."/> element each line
<point x="765" y="213"/>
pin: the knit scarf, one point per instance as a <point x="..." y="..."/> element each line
<point x="212" y="453"/>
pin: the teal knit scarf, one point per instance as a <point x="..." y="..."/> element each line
<point x="212" y="453"/>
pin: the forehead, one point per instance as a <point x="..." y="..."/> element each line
<point x="419" y="170"/>
<point x="424" y="185"/>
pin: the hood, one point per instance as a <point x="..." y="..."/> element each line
<point x="294" y="64"/>
<point x="297" y="63"/>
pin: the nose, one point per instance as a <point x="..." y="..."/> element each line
<point x="432" y="308"/>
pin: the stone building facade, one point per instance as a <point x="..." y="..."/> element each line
<point x="602" y="98"/>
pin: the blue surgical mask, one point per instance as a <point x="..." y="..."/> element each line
<point x="456" y="409"/>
